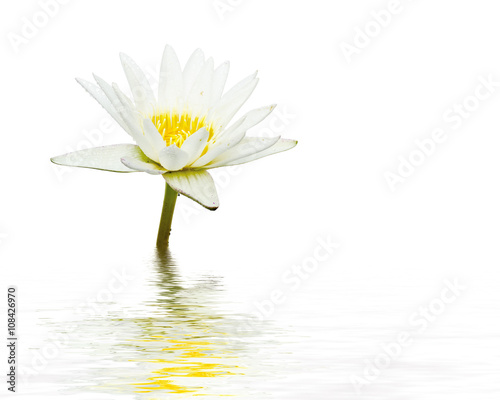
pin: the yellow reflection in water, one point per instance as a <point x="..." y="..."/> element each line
<point x="186" y="339"/>
<point x="187" y="364"/>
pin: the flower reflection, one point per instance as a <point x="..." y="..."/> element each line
<point x="182" y="338"/>
<point x="166" y="336"/>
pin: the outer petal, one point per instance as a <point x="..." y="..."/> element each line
<point x="125" y="101"/>
<point x="170" y="84"/>
<point x="98" y="94"/>
<point x="195" y="144"/>
<point x="141" y="163"/>
<point x="130" y="117"/>
<point x="172" y="158"/>
<point x="146" y="147"/>
<point x="210" y="155"/>
<point x="278" y="147"/>
<point x="139" y="85"/>
<point x="113" y="98"/>
<point x="191" y="70"/>
<point x="240" y="85"/>
<point x="220" y="147"/>
<point x="219" y="81"/>
<point x="199" y="94"/>
<point x="198" y="185"/>
<point x="153" y="136"/>
<point x="107" y="158"/>
<point x="245" y="148"/>
<point x="249" y="120"/>
<point x="230" y="103"/>
<point x="127" y="111"/>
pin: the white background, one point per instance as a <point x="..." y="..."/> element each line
<point x="355" y="118"/>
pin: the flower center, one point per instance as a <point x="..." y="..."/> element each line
<point x="176" y="128"/>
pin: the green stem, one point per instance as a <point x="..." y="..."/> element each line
<point x="166" y="217"/>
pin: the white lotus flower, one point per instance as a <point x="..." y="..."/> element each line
<point x="183" y="132"/>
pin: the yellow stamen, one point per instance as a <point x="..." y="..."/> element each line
<point x="176" y="128"/>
